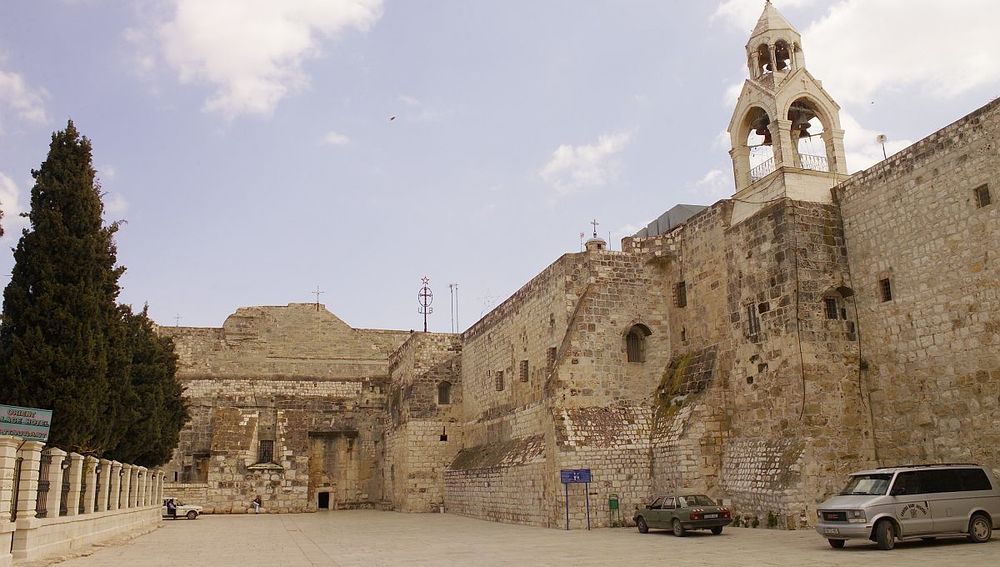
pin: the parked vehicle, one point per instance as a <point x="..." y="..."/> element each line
<point x="913" y="501"/>
<point x="189" y="511"/>
<point x="681" y="513"/>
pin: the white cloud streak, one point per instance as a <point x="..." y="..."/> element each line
<point x="336" y="139"/>
<point x="574" y="168"/>
<point x="252" y="51"/>
<point x="21" y="99"/>
<point x="12" y="208"/>
<point x="743" y="14"/>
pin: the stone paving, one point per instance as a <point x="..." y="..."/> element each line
<point x="373" y="539"/>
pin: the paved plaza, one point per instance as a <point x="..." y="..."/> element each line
<point x="370" y="539"/>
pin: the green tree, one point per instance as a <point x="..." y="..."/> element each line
<point x="155" y="431"/>
<point x="62" y="328"/>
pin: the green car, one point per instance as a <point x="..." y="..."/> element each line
<point x="681" y="513"/>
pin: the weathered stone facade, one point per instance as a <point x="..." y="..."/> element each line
<point x="812" y="325"/>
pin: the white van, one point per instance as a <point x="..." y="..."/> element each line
<point x="913" y="501"/>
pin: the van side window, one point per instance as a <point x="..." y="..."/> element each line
<point x="974" y="479"/>
<point x="945" y="480"/>
<point x="907" y="483"/>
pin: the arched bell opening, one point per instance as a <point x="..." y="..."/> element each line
<point x="757" y="136"/>
<point x="763" y="57"/>
<point x="782" y="56"/>
<point x="810" y="135"/>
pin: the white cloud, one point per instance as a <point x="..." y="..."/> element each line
<point x="10" y="204"/>
<point x="252" y="51"/>
<point x="573" y="168"/>
<point x="115" y="203"/>
<point x="941" y="49"/>
<point x="743" y="14"/>
<point x="336" y="139"/>
<point x="860" y="147"/>
<point x="715" y="184"/>
<point x="409" y="100"/>
<point x="21" y="99"/>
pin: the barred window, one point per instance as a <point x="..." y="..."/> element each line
<point x="753" y="321"/>
<point x="444" y="393"/>
<point x="635" y="343"/>
<point x="982" y="194"/>
<point x="550" y="358"/>
<point x="265" y="451"/>
<point x="831" y="307"/>
<point x="499" y="380"/>
<point x="523" y="370"/>
<point x="680" y="294"/>
<point x="885" y="289"/>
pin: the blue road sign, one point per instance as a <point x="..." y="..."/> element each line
<point x="574" y="476"/>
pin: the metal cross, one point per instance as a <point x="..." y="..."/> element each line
<point x="595" y="223"/>
<point x="317" y="293"/>
<point x="177" y="320"/>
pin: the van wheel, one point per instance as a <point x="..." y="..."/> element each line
<point x="980" y="529"/>
<point x="640" y="523"/>
<point x="837" y="543"/>
<point x="885" y="535"/>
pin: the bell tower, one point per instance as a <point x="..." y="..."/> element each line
<point x="785" y="132"/>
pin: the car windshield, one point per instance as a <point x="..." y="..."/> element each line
<point x="695" y="500"/>
<point x="868" y="484"/>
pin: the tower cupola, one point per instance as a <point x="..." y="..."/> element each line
<point x="785" y="131"/>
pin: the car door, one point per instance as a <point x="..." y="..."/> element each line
<point x="948" y="502"/>
<point x="667" y="516"/>
<point x="910" y="504"/>
<point x="652" y="513"/>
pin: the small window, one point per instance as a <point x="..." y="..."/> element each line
<point x="885" y="289"/>
<point x="974" y="479"/>
<point x="265" y="451"/>
<point x="635" y="343"/>
<point x="522" y="370"/>
<point x="499" y="380"/>
<point x="753" y="321"/>
<point x="680" y="295"/>
<point x="831" y="307"/>
<point x="444" y="393"/>
<point x="982" y="194"/>
<point x="550" y="358"/>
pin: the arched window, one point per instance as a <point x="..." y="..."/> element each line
<point x="782" y="56"/>
<point x="444" y="393"/>
<point x="635" y="343"/>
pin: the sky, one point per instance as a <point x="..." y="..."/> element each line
<point x="260" y="150"/>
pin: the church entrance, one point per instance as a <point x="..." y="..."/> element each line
<point x="324" y="501"/>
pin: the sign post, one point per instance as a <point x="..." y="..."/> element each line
<point x="576" y="476"/>
<point x="30" y="424"/>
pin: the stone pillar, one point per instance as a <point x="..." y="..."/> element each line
<point x="159" y="488"/>
<point x="55" y="480"/>
<point x="8" y="458"/>
<point x="835" y="156"/>
<point x="127" y="474"/>
<point x="75" y="480"/>
<point x="133" y="485"/>
<point x="114" y="497"/>
<point x="741" y="166"/>
<point x="105" y="476"/>
<point x="140" y="496"/>
<point x="27" y="494"/>
<point x="90" y="476"/>
<point x="785" y="154"/>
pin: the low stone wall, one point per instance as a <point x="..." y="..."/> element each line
<point x="39" y="519"/>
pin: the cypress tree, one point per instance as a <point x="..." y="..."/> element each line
<point x="62" y="329"/>
<point x="155" y="431"/>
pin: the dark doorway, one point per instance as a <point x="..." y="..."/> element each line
<point x="324" y="501"/>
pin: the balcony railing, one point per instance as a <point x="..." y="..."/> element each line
<point x="806" y="161"/>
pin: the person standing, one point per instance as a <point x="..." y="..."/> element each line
<point x="256" y="504"/>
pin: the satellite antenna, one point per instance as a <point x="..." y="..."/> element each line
<point x="881" y="139"/>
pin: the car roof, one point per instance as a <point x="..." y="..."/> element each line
<point x="929" y="466"/>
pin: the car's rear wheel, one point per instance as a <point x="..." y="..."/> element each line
<point x="837" y="543"/>
<point x="640" y="523"/>
<point x="980" y="529"/>
<point x="885" y="535"/>
<point x="192" y="514"/>
<point x="717" y="530"/>
<point x="679" y="530"/>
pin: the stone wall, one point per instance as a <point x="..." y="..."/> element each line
<point x="424" y="429"/>
<point x="932" y="352"/>
<point x="294" y="376"/>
